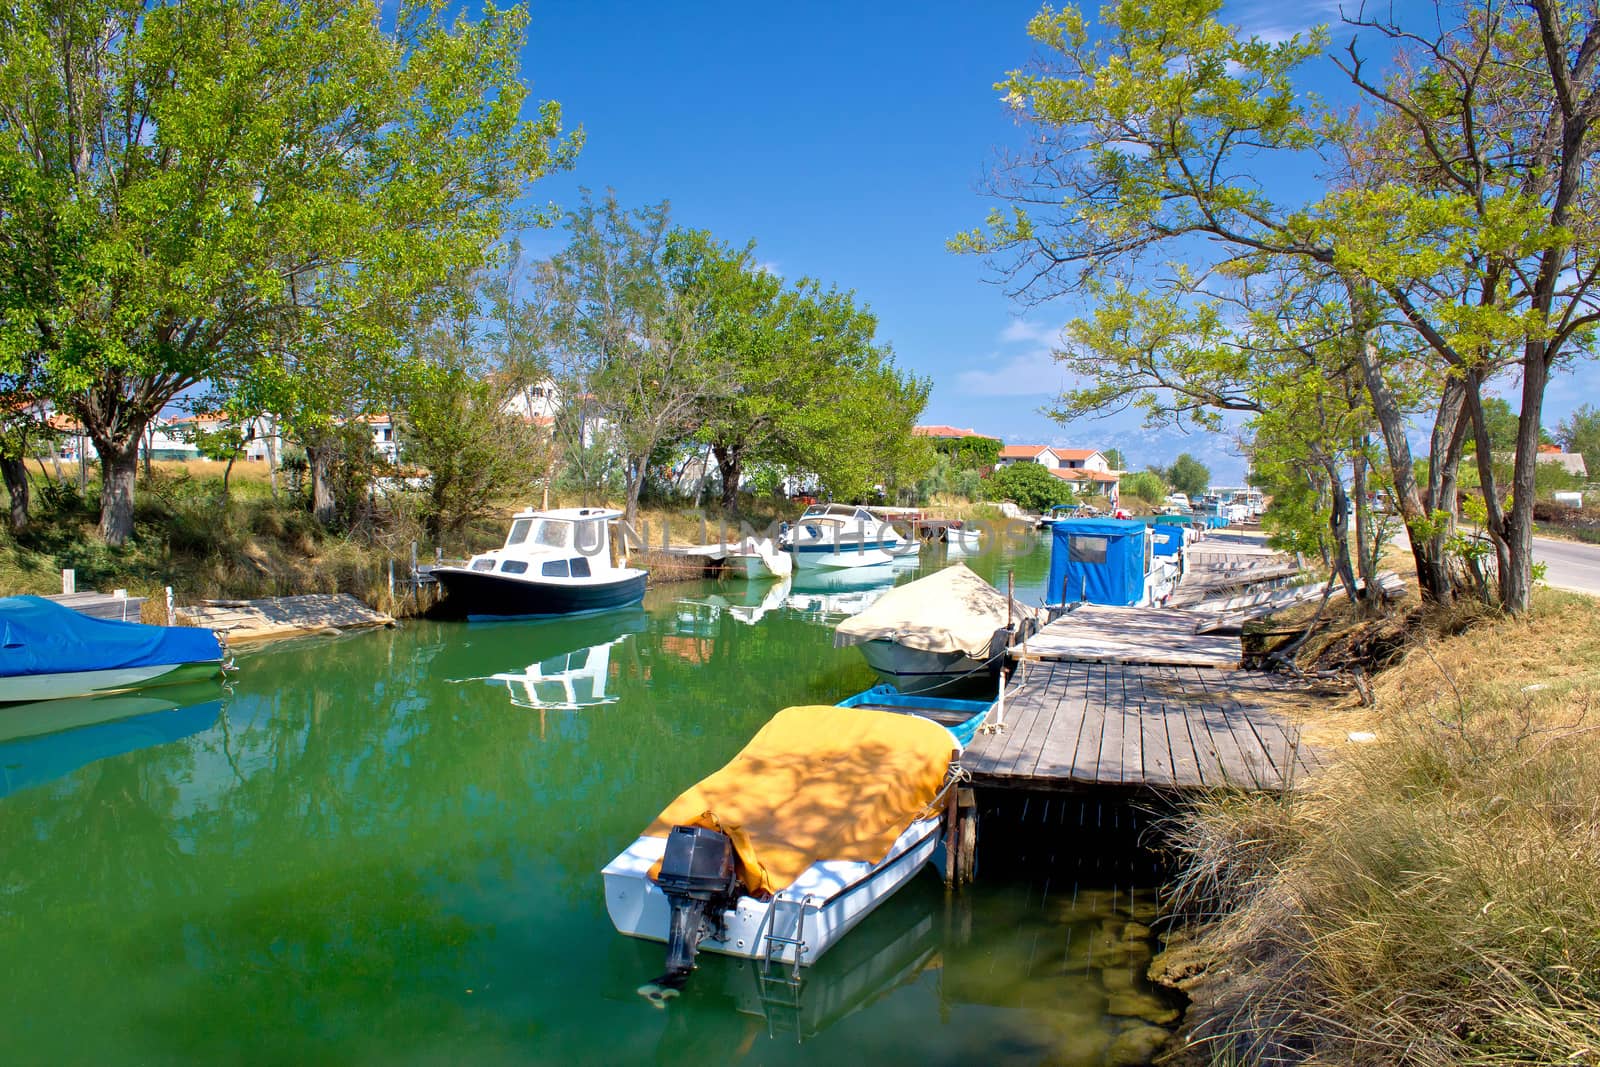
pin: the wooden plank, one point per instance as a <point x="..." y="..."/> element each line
<point x="1111" y="734"/>
<point x="1023" y="711"/>
<point x="1056" y="755"/>
<point x="1026" y="761"/>
<point x="1180" y="743"/>
<point x="1099" y="634"/>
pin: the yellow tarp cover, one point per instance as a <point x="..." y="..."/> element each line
<point x="817" y="783"/>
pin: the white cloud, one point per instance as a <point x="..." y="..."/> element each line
<point x="770" y="267"/>
<point x="1021" y="330"/>
<point x="1275" y="22"/>
<point x="1031" y="373"/>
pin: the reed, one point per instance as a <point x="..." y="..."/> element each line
<point x="1433" y="898"/>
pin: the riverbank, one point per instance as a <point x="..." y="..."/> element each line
<point x="1430" y="898"/>
<point x="251" y="543"/>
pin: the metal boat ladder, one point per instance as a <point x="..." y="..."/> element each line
<point x="786" y="925"/>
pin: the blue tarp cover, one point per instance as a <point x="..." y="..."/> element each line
<point x="1169" y="539"/>
<point x="1119" y="580"/>
<point x="39" y="636"/>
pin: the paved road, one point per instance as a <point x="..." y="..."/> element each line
<point x="1569" y="565"/>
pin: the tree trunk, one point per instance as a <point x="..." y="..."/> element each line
<point x="1339" y="530"/>
<point x="1366" y="548"/>
<point x="119" y="470"/>
<point x="1427" y="542"/>
<point x="635" y="473"/>
<point x="15" y="473"/>
<point x="323" y="507"/>
<point x="1516" y="569"/>
<point x="730" y="465"/>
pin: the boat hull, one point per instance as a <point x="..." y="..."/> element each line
<point x="26" y="688"/>
<point x="754" y="567"/>
<point x="484" y="594"/>
<point x="841" y="894"/>
<point x="913" y="670"/>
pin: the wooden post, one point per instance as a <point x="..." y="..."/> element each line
<point x="1000" y="702"/>
<point x="391" y="585"/>
<point x="1011" y="596"/>
<point x="69" y="580"/>
<point x="967" y="846"/>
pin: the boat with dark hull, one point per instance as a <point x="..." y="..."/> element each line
<point x="556" y="562"/>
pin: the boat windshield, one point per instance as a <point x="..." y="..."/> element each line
<point x="552" y="533"/>
<point x="519" y="532"/>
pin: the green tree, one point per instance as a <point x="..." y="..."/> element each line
<point x="1580" y="432"/>
<point x="630" y="331"/>
<point x="1030" y="486"/>
<point x="1460" y="222"/>
<point x="1115" y="459"/>
<point x="1188" y="475"/>
<point x="971" y="453"/>
<point x="471" y="451"/>
<point x="1147" y="486"/>
<point x="185" y="187"/>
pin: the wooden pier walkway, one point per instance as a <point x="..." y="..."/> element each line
<point x="101" y="605"/>
<point x="284" y="616"/>
<point x="1072" y="725"/>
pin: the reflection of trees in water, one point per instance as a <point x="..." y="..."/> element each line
<point x="309" y="869"/>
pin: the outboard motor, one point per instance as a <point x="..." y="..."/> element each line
<point x="697" y="875"/>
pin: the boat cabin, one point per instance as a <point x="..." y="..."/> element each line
<point x="841" y="512"/>
<point x="560" y="543"/>
<point x="1108" y="561"/>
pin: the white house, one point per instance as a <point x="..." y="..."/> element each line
<point x="1086" y="469"/>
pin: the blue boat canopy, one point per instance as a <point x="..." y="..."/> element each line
<point x="39" y="636"/>
<point x="1168" y="539"/>
<point x="1102" y="561"/>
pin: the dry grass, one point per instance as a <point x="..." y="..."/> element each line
<point x="1434" y="898"/>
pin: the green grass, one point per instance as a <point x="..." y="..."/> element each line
<point x="1433" y="898"/>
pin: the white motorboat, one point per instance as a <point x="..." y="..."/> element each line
<point x="849" y="561"/>
<point x="48" y="651"/>
<point x="753" y="862"/>
<point x="756" y="559"/>
<point x="838" y="530"/>
<point x="556" y="562"/>
<point x="949" y="629"/>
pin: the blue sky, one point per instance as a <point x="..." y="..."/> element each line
<point x="848" y="140"/>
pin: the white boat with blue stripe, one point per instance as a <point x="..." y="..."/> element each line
<point x="835" y="533"/>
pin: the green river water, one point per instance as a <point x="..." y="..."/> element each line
<point x="368" y="851"/>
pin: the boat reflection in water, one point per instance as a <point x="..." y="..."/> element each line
<point x="744" y="602"/>
<point x="84" y="730"/>
<point x="894" y="947"/>
<point x="826" y="596"/>
<point x="567" y="676"/>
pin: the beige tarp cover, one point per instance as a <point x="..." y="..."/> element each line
<point x="951" y="611"/>
<point x="817" y="783"/>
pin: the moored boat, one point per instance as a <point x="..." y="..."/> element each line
<point x="48" y="651"/>
<point x="757" y="559"/>
<point x="821" y="817"/>
<point x="1110" y="561"/>
<point x="556" y="562"/>
<point x="836" y="531"/>
<point x="947" y="630"/>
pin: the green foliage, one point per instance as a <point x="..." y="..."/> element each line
<point x="1030" y="486"/>
<point x="470" y="450"/>
<point x="1147" y="486"/>
<point x="1115" y="459"/>
<point x="1580" y="432"/>
<point x="189" y="189"/>
<point x="971" y="453"/>
<point x="1188" y="475"/>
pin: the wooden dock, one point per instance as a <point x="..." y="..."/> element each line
<point x="1095" y="633"/>
<point x="101" y="605"/>
<point x="284" y="616"/>
<point x="1075" y="725"/>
